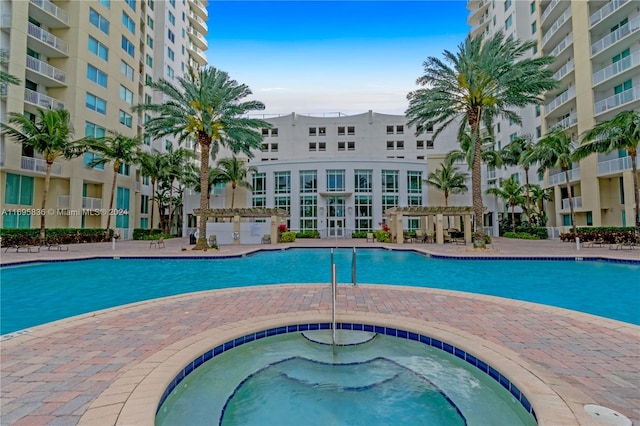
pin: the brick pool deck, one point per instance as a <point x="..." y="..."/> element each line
<point x="111" y="367"/>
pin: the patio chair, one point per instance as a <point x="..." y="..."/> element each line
<point x="266" y="239"/>
<point x="159" y="243"/>
<point x="370" y="237"/>
<point x="28" y="249"/>
<point x="420" y="236"/>
<point x="57" y="247"/>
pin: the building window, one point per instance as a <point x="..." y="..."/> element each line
<point x="335" y="180"/>
<point x="342" y="146"/>
<point x="96" y="76"/>
<point x="313" y="131"/>
<point x="149" y="41"/>
<point x="98" y="49"/>
<point x="341" y="131"/>
<point x="274" y="147"/>
<point x="170" y="54"/>
<point x="126" y="95"/>
<point x="512" y="137"/>
<point x="131" y="3"/>
<point x="430" y="145"/>
<point x="127" y="46"/>
<point x="18" y="189"/>
<point x="390" y="181"/>
<point x="265" y="132"/>
<point x="537" y="109"/>
<point x="147" y="140"/>
<point x="312" y="146"/>
<point x="532" y="7"/>
<point x="105" y="3"/>
<point x="126" y="119"/>
<point x="170" y="72"/>
<point x="148" y="60"/>
<point x="414" y="200"/>
<point x="390" y="145"/>
<point x="308" y="181"/>
<point x="389" y="130"/>
<point x="98" y="21"/>
<point x="351" y="130"/>
<point x="95" y="103"/>
<point x="282" y="182"/>
<point x="122" y="203"/>
<point x="322" y="131"/>
<point x="144" y="223"/>
<point x="388" y="202"/>
<point x="400" y="145"/>
<point x="149" y="22"/>
<point x="151" y="4"/>
<point x="274" y="133"/>
<point x="126" y="70"/>
<point x="128" y="23"/>
<point x="508" y="22"/>
<point x="322" y="146"/>
<point x="172" y="18"/>
<point x="89" y="158"/>
<point x="259" y="183"/>
<point x="14" y="220"/>
<point x="364" y="212"/>
<point x="93" y="130"/>
<point x="172" y="3"/>
<point x="124" y="169"/>
<point x="534" y="28"/>
<point x="399" y="130"/>
<point x="351" y="146"/>
<point x="363" y="180"/>
<point x="507" y="4"/>
<point x="419" y="144"/>
<point x="308" y="212"/>
<point x="414" y="182"/>
<point x="171" y="36"/>
<point x="283" y="203"/>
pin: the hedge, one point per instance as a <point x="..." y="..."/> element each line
<point x="31" y="236"/>
<point x="288" y="237"/>
<point x="308" y="234"/>
<point x="521" y="235"/>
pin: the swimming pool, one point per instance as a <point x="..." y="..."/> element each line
<point x="40" y="293"/>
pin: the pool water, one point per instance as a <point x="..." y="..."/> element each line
<point x="290" y="380"/>
<point x="36" y="294"/>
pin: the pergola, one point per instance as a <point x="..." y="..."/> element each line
<point x="237" y="214"/>
<point x="395" y="214"/>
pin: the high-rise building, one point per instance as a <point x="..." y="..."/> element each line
<point x="596" y="45"/>
<point x="92" y="58"/>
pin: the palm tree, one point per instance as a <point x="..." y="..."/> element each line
<point x="539" y="195"/>
<point x="207" y="106"/>
<point x="511" y="192"/>
<point x="176" y="162"/>
<point x="621" y="132"/>
<point x="231" y="170"/>
<point x="120" y="150"/>
<point x="5" y="77"/>
<point x="48" y="135"/>
<point x="487" y="155"/>
<point x="555" y="149"/>
<point x="518" y="153"/>
<point x="154" y="166"/>
<point x="448" y="180"/>
<point x="192" y="180"/>
<point x="486" y="79"/>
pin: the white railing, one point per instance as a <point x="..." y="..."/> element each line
<point x="62" y="202"/>
<point x="548" y="10"/>
<point x="559" y="178"/>
<point x="5" y="21"/>
<point x="617" y="67"/>
<point x="39" y="165"/>
<point x="617" y="100"/>
<point x="566" y="69"/>
<point x="577" y="203"/>
<point x="198" y="19"/>
<point x="46" y="69"/>
<point x="42" y="100"/>
<point x="52" y="9"/>
<point x="562" y="45"/>
<point x="566" y="122"/>
<point x="615" y="165"/>
<point x="201" y="6"/>
<point x="605" y="11"/>
<point x="562" y="98"/>
<point x="91" y="203"/>
<point x="193" y="32"/>
<point x="556" y="25"/>
<point x="137" y="186"/>
<point x="46" y="37"/>
<point x="616" y="35"/>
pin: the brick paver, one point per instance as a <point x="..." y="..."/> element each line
<point x="88" y="366"/>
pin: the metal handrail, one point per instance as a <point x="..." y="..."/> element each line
<point x="334" y="291"/>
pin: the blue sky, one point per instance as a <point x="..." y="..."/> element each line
<point x="331" y="56"/>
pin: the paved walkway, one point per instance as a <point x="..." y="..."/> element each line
<point x="112" y="366"/>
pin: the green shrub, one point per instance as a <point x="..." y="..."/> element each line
<point x="539" y="231"/>
<point x="382" y="236"/>
<point x="308" y="234"/>
<point x="288" y="237"/>
<point x="609" y="234"/>
<point x="521" y="235"/>
<point x="143" y="234"/>
<point x="359" y="234"/>
<point x="31" y="236"/>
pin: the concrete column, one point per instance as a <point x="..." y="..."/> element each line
<point x="397" y="228"/>
<point x="439" y="228"/>
<point x="236" y="228"/>
<point x="467" y="227"/>
<point x="75" y="202"/>
<point x="275" y="221"/>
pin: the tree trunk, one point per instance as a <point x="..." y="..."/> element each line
<point x="513" y="217"/>
<point x="528" y="199"/>
<point x="573" y="219"/>
<point x="45" y="192"/>
<point x="233" y="194"/>
<point x="634" y="172"/>
<point x="153" y="203"/>
<point x="113" y="192"/>
<point x="169" y="226"/>
<point x="205" y="147"/>
<point x="476" y="179"/>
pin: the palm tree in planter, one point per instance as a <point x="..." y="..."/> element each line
<point x="233" y="171"/>
<point x="483" y="80"/>
<point x="50" y="135"/>
<point x="154" y="166"/>
<point x="207" y="106"/>
<point x="556" y="149"/>
<point x="120" y="150"/>
<point x="517" y="153"/>
<point x="621" y="132"/>
<point x="512" y="194"/>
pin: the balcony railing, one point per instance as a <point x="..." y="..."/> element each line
<point x="39" y="165"/>
<point x="566" y="122"/>
<point x="91" y="203"/>
<point x="491" y="174"/>
<point x="198" y="19"/>
<point x="577" y="203"/>
<point x="566" y="69"/>
<point x="562" y="45"/>
<point x="617" y="100"/>
<point x="560" y="178"/>
<point x="562" y="98"/>
<point x="616" y="165"/>
<point x="46" y="37"/>
<point x="201" y="6"/>
<point x="617" y="67"/>
<point x="62" y="202"/>
<point x="556" y="25"/>
<point x="548" y="10"/>
<point x="42" y="100"/>
<point x="605" y="11"/>
<point x="46" y="69"/>
<point x="52" y="9"/>
<point x="616" y="35"/>
<point x="197" y="35"/>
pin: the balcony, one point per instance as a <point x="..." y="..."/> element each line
<point x="42" y="100"/>
<point x="577" y="203"/>
<point x="556" y="25"/>
<point x="198" y="23"/>
<point x="616" y="165"/>
<point x="616" y="35"/>
<point x="197" y="54"/>
<point x="570" y="93"/>
<point x="5" y="21"/>
<point x="46" y="43"/>
<point x="199" y="8"/>
<point x="617" y="100"/>
<point x="49" y="14"/>
<point x="91" y="203"/>
<point x="548" y="10"/>
<point x="605" y="11"/>
<point x="566" y="42"/>
<point x="197" y="38"/>
<point x="46" y="74"/>
<point x="39" y="165"/>
<point x="616" y="68"/>
<point x="560" y="178"/>
<point x="566" y="69"/>
<point x="566" y="122"/>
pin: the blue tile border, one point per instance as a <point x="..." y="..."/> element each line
<point x="481" y="365"/>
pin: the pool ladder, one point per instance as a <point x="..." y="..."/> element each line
<point x="334" y="290"/>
